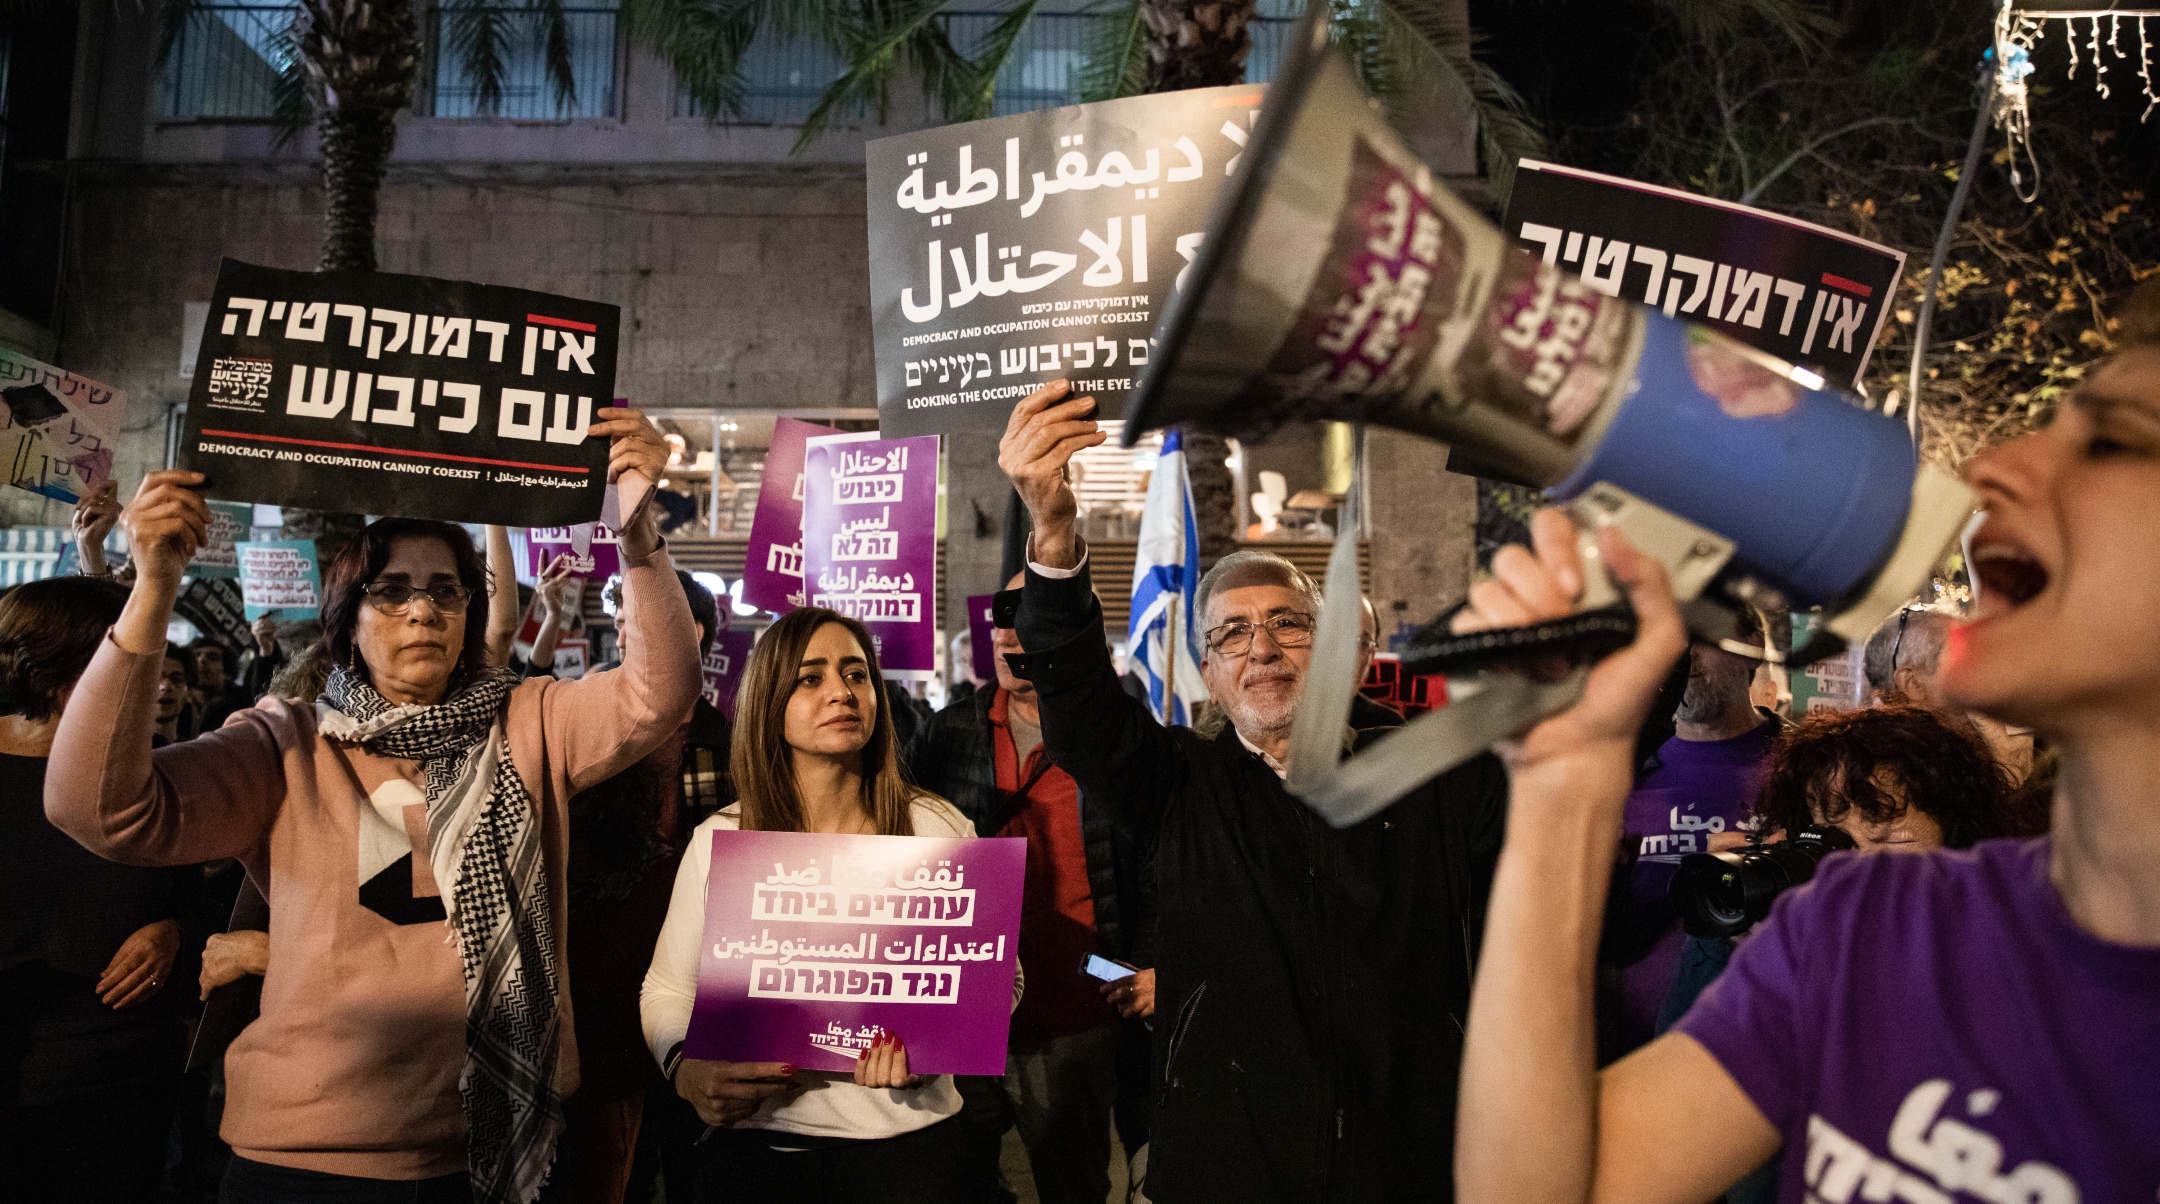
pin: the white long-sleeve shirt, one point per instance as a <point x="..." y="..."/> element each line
<point x="832" y="1105"/>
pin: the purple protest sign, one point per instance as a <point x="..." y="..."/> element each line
<point x="979" y="637"/>
<point x="724" y="666"/>
<point x="814" y="944"/>
<point x="590" y="546"/>
<point x="772" y="562"/>
<point x="870" y="541"/>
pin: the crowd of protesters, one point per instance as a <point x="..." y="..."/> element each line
<point x="466" y="898"/>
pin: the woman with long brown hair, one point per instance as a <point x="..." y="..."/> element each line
<point x="813" y="752"/>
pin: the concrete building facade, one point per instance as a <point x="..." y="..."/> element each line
<point x="738" y="259"/>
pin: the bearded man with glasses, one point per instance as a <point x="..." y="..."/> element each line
<point x="1312" y="984"/>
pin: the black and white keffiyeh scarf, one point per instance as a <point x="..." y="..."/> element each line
<point x="485" y="849"/>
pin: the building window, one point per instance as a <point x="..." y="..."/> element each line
<point x="226" y="60"/>
<point x="781" y="83"/>
<point x="528" y="92"/>
<point x="782" y="80"/>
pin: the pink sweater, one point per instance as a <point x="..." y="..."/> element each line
<point x="353" y="1067"/>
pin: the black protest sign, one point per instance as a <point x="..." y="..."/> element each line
<point x="1008" y="253"/>
<point x="214" y="606"/>
<point x="1808" y="295"/>
<point x="381" y="394"/>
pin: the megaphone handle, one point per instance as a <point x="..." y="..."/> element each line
<point x="1481" y="711"/>
<point x="1586" y="636"/>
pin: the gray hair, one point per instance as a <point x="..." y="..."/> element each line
<point x="1246" y="567"/>
<point x="1925" y="629"/>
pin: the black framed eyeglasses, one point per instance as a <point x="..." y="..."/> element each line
<point x="396" y="597"/>
<point x="1903" y="616"/>
<point x="1291" y="629"/>
<point x="1005" y="608"/>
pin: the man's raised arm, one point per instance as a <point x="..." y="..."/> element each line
<point x="1119" y="755"/>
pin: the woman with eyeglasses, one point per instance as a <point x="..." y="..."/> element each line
<point x="410" y="835"/>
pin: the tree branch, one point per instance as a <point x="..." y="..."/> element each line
<point x="1809" y="148"/>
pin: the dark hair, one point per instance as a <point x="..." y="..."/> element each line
<point x="48" y="631"/>
<point x="703" y="610"/>
<point x="186" y="657"/>
<point x="1880" y="761"/>
<point x="361" y="561"/>
<point x="760" y="759"/>
<point x="209" y="641"/>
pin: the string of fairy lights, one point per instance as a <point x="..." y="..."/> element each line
<point x="2019" y="31"/>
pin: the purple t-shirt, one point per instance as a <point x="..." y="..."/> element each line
<point x="1935" y="1028"/>
<point x="1699" y="788"/>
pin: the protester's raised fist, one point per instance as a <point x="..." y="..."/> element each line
<point x="726" y="1092"/>
<point x="1046" y="429"/>
<point x="165" y="524"/>
<point x="96" y="513"/>
<point x="634" y="444"/>
<point x="554" y="586"/>
<point x="637" y="447"/>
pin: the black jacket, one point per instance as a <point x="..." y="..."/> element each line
<point x="1312" y="984"/>
<point x="951" y="755"/>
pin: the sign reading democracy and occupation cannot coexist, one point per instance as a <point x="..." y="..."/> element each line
<point x="815" y="944"/>
<point x="404" y="395"/>
<point x="1008" y="253"/>
<point x="57" y="428"/>
<point x="870" y="541"/>
<point x="1804" y="293"/>
<point x="772" y="560"/>
<point x="280" y="578"/>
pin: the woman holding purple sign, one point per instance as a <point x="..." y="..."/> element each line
<point x="409" y="831"/>
<point x="1955" y="1025"/>
<point x="814" y="751"/>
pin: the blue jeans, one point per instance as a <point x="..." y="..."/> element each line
<point x="250" y="1182"/>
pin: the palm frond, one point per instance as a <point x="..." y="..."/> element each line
<point x="906" y="38"/>
<point x="478" y="34"/>
<point x="292" y="102"/>
<point x="970" y="92"/>
<point x="562" y="81"/>
<point x="1116" y="55"/>
<point x="828" y="23"/>
<point x="704" y="40"/>
<point x="1427" y="43"/>
<point x="174" y="16"/>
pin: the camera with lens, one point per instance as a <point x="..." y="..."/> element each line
<point x="1725" y="894"/>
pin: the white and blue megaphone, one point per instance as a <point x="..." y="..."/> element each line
<point x="1339" y="282"/>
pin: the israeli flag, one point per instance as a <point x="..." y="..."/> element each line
<point x="1166" y="578"/>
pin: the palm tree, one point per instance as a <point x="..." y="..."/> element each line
<point x="349" y="66"/>
<point x="359" y="56"/>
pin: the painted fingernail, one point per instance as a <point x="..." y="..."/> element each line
<point x="786" y="1070"/>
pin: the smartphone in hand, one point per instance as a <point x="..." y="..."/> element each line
<point x="1097" y="966"/>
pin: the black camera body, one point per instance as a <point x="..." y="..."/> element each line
<point x="1725" y="894"/>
